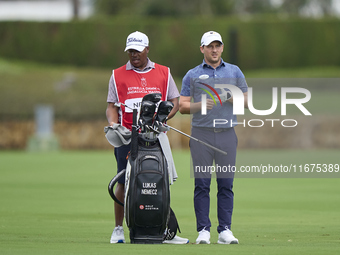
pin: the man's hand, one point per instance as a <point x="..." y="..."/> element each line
<point x="225" y="96"/>
<point x="210" y="104"/>
<point x="112" y="114"/>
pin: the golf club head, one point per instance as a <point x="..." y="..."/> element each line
<point x="147" y="112"/>
<point x="153" y="97"/>
<point x="164" y="109"/>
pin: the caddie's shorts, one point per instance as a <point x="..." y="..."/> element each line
<point x="121" y="155"/>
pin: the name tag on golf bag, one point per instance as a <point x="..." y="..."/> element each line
<point x="147" y="195"/>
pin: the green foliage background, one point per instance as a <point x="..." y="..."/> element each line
<point x="79" y="93"/>
<point x="261" y="42"/>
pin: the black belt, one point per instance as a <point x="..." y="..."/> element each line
<point x="215" y="130"/>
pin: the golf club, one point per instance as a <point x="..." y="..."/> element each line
<point x="197" y="140"/>
<point x="189" y="136"/>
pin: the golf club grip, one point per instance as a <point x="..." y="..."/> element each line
<point x="210" y="146"/>
<point x="112" y="184"/>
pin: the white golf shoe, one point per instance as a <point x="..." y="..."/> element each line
<point x="203" y="237"/>
<point x="227" y="237"/>
<point x="177" y="240"/>
<point x="117" y="235"/>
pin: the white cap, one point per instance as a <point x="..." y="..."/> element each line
<point x="210" y="37"/>
<point x="137" y="41"/>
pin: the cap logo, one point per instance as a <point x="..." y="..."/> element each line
<point x="134" y="40"/>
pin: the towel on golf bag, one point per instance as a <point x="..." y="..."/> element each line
<point x="117" y="135"/>
<point x="165" y="145"/>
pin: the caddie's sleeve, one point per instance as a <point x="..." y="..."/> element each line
<point x="172" y="90"/>
<point x="112" y="93"/>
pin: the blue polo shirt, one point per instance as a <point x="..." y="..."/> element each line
<point x="200" y="80"/>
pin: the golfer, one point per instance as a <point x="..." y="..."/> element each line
<point x="128" y="84"/>
<point x="201" y="82"/>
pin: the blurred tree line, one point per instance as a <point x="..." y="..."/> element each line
<point x="214" y="7"/>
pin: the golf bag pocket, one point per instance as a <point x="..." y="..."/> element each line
<point x="149" y="190"/>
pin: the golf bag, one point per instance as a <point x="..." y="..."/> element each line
<point x="147" y="194"/>
<point x="147" y="185"/>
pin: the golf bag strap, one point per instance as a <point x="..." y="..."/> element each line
<point x="172" y="228"/>
<point x="112" y="184"/>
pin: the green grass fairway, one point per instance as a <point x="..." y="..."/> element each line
<point x="57" y="203"/>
